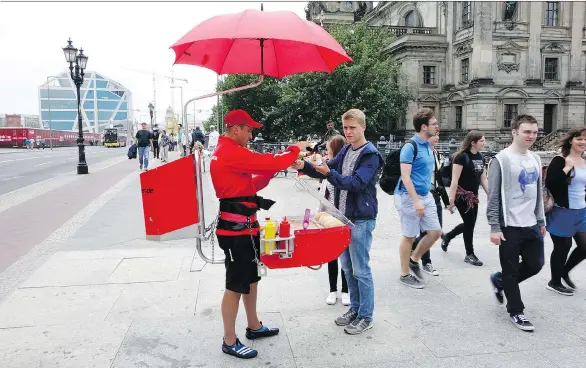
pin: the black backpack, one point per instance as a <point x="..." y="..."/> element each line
<point x="447" y="170"/>
<point x="392" y="169"/>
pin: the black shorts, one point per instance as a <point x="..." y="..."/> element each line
<point x="241" y="270"/>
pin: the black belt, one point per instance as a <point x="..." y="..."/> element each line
<point x="235" y="205"/>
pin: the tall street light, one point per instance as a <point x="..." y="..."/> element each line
<point x="80" y="60"/>
<point x="183" y="121"/>
<point x="151" y="111"/>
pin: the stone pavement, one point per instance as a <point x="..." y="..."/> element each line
<point x="106" y="297"/>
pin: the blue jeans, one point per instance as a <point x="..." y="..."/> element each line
<point x="143" y="154"/>
<point x="355" y="263"/>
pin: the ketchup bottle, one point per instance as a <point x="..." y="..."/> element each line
<point x="284" y="228"/>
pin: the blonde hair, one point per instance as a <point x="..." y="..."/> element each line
<point x="355" y="114"/>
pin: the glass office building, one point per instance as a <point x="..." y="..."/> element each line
<point x="103" y="102"/>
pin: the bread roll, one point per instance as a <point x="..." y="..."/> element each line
<point x="327" y="220"/>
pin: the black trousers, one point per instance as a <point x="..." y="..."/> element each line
<point x="467" y="227"/>
<point x="526" y="242"/>
<point x="156" y="148"/>
<point x="560" y="264"/>
<point x="333" y="274"/>
<point x="426" y="258"/>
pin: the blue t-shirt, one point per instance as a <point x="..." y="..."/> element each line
<point x="422" y="168"/>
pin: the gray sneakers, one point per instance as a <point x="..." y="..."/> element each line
<point x="416" y="270"/>
<point x="358" y="326"/>
<point x="411" y="281"/>
<point x="346" y="318"/>
<point x="428" y="268"/>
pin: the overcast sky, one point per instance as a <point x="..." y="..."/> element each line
<point x="121" y="40"/>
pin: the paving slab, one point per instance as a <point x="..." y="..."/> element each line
<point x="146" y="270"/>
<point x="195" y="342"/>
<point x="94" y="345"/>
<point x="58" y="305"/>
<point x="71" y="272"/>
<point x="154" y="300"/>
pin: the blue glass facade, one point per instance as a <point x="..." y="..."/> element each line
<point x="103" y="102"/>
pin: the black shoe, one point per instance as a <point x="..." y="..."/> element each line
<point x="261" y="332"/>
<point x="569" y="282"/>
<point x="498" y="292"/>
<point x="522" y="323"/>
<point x="445" y="242"/>
<point x="473" y="260"/>
<point x="559" y="288"/>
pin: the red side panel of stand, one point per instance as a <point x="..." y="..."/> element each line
<point x="313" y="247"/>
<point x="169" y="196"/>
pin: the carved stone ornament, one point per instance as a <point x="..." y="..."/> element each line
<point x="553" y="47"/>
<point x="508" y="61"/>
<point x="510" y="24"/>
<point x="463" y="49"/>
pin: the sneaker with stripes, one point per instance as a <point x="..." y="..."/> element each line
<point x="239" y="350"/>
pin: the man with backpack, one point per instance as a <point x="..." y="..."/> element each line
<point x="413" y="200"/>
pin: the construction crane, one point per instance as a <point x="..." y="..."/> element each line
<point x="172" y="78"/>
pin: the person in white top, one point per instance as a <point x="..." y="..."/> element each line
<point x="213" y="138"/>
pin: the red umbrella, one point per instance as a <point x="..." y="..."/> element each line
<point x="233" y="44"/>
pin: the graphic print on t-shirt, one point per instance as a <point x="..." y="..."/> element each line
<point x="528" y="175"/>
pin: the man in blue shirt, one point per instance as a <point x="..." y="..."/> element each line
<point x="413" y="200"/>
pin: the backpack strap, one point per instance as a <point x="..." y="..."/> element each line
<point x="414" y="150"/>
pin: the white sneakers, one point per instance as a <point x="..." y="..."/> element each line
<point x="345" y="299"/>
<point x="333" y="298"/>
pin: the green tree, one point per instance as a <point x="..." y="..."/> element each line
<point x="309" y="101"/>
<point x="303" y="104"/>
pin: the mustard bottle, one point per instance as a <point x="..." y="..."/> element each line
<point x="270" y="233"/>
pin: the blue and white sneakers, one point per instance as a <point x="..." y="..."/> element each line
<point x="239" y="350"/>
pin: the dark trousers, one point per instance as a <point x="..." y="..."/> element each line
<point x="467" y="227"/>
<point x="156" y="149"/>
<point x="333" y="274"/>
<point x="426" y="258"/>
<point x="560" y="264"/>
<point x="526" y="242"/>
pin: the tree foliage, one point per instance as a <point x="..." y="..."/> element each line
<point x="303" y="104"/>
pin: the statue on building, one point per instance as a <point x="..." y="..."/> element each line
<point x="510" y="10"/>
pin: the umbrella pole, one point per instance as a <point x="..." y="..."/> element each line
<point x="198" y="180"/>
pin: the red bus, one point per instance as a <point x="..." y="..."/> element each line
<point x="16" y="137"/>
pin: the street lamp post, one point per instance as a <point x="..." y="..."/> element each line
<point x="185" y="123"/>
<point x="80" y="60"/>
<point x="151" y="111"/>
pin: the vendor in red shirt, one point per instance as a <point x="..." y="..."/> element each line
<point x="232" y="168"/>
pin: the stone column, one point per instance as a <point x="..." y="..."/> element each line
<point x="576" y="71"/>
<point x="534" y="50"/>
<point x="449" y="19"/>
<point x="481" y="63"/>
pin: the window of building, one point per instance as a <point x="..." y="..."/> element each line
<point x="551" y="13"/>
<point x="551" y="69"/>
<point x="510" y="114"/>
<point x="464" y="69"/>
<point x="410" y="19"/>
<point x="466" y="14"/>
<point x="458" y="117"/>
<point x="347" y="5"/>
<point x="429" y="75"/>
<point x="432" y="108"/>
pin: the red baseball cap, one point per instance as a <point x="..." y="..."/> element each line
<point x="240" y="117"/>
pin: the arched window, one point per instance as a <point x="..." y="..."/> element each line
<point x="411" y="19"/>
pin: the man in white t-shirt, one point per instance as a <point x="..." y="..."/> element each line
<point x="213" y="138"/>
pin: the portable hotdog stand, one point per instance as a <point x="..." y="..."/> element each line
<point x="312" y="240"/>
<point x="277" y="44"/>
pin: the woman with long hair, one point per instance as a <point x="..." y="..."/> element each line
<point x="333" y="146"/>
<point x="566" y="181"/>
<point x="467" y="175"/>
